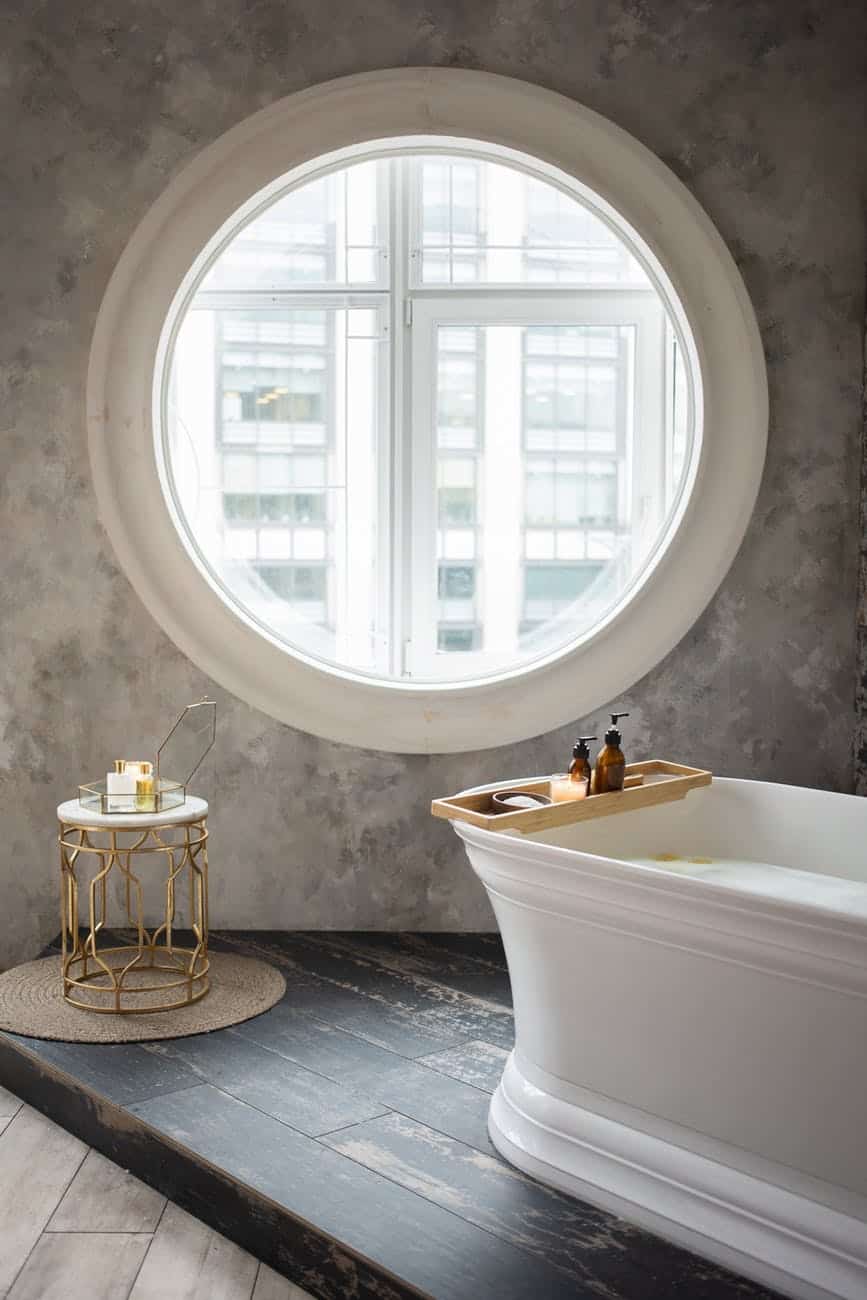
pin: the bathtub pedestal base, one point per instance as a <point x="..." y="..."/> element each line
<point x="763" y="1220"/>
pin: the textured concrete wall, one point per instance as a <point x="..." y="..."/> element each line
<point x="757" y="105"/>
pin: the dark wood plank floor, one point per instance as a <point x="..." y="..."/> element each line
<point x="342" y="1135"/>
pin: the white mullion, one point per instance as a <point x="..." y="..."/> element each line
<point x="554" y="308"/>
<point x="419" y="538"/>
<point x="340" y="505"/>
<point x="338" y="196"/>
<point x="423" y="541"/>
<point x="242" y="299"/>
<point x="416" y="557"/>
<point x="382" y="632"/>
<point x="362" y="417"/>
<point x="450" y="171"/>
<point x="396" y="472"/>
<point x="411" y="170"/>
<point x="474" y="292"/>
<point x="502" y="530"/>
<point x="307" y="295"/>
<point x="386" y="413"/>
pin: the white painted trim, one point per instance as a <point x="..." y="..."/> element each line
<point x="765" y="1227"/>
<point x="131" y="339"/>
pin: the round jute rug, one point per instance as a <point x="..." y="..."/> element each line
<point x="31" y="1003"/>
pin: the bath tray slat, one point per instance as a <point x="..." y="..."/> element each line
<point x="657" y="781"/>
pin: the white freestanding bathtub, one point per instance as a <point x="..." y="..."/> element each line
<point x="691" y="1037"/>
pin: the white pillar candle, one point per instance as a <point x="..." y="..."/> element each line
<point x="565" y="788"/>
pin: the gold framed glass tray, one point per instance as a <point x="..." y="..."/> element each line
<point x="180" y="753"/>
<point x="166" y="794"/>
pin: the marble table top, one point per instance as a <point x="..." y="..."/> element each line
<point x="72" y="813"/>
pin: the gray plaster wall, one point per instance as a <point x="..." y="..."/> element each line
<point x="758" y="107"/>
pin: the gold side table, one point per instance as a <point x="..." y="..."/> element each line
<point x="105" y="856"/>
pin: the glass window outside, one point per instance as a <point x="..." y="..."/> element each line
<point x="556" y="435"/>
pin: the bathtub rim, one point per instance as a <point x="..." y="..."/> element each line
<point x="515" y="846"/>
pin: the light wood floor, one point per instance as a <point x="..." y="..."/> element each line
<point x="74" y="1225"/>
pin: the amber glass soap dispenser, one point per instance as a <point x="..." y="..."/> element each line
<point x="579" y="768"/>
<point x="610" y="761"/>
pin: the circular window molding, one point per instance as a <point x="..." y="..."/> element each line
<point x="128" y="352"/>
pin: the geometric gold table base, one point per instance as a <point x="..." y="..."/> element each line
<point x="153" y="973"/>
<point x="113" y="986"/>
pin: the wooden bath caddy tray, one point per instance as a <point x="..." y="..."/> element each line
<point x="654" y="782"/>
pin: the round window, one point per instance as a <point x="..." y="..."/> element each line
<point x="429" y="411"/>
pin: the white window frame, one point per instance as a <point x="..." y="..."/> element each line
<point x="583" y="154"/>
<point x="405" y="615"/>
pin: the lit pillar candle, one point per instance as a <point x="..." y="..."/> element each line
<point x="565" y="788"/>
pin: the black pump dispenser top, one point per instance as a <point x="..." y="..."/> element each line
<point x="580" y="750"/>
<point x="612" y="735"/>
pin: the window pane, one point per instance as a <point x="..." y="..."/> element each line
<point x="274" y="471"/>
<point x="457" y="505"/>
<point x="485" y="222"/>
<point x="540" y="495"/>
<point x="551" y="588"/>
<point x="456" y="638"/>
<point x="541" y="499"/>
<point x="240" y="505"/>
<point x="239" y="472"/>
<point x="459" y="430"/>
<point x="265" y="442"/>
<point x="568" y="393"/>
<point x="327" y="231"/>
<point x="522" y="500"/>
<point x="451" y="220"/>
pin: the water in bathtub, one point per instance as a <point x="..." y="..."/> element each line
<point x="764" y="878"/>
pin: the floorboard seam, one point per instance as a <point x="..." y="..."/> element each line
<point x="329" y="1024"/>
<point x="157" y="1096"/>
<point x="532" y="1256"/>
<point x="380" y="1001"/>
<point x="96" y="1232"/>
<point x="359" y="1090"/>
<point x="365" y="1038"/>
<point x="444" y="1074"/>
<point x="344" y="1128"/>
<point x="471" y="1000"/>
<point x="428" y="982"/>
<point x="255" y="1281"/>
<point x="148" y="1251"/>
<point x="274" y="958"/>
<point x="386" y="1108"/>
<point x="413" y="1119"/>
<point x="343" y="1083"/>
<point x="293" y="1060"/>
<point x="266" y="1113"/>
<point x="20" y="1111"/>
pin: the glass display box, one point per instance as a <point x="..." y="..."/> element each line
<point x="178" y="758"/>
